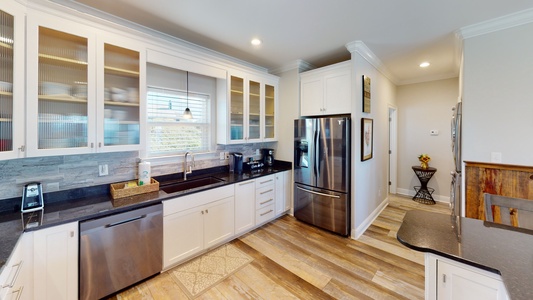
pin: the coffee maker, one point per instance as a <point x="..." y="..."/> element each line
<point x="268" y="157"/>
<point x="235" y="162"/>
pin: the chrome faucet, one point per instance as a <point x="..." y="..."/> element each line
<point x="185" y="170"/>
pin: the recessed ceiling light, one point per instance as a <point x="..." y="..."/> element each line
<point x="424" y="64"/>
<point x="256" y="42"/>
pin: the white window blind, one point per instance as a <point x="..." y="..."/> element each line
<point x="169" y="132"/>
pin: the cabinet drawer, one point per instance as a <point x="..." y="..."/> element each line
<point x="264" y="181"/>
<point x="264" y="196"/>
<point x="182" y="203"/>
<point x="265" y="214"/>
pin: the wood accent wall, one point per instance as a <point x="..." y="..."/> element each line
<point x="499" y="179"/>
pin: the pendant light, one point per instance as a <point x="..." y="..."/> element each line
<point x="187" y="113"/>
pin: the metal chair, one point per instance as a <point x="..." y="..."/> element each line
<point x="509" y="211"/>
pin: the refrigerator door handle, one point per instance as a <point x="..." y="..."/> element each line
<point x="317" y="193"/>
<point x="315" y="158"/>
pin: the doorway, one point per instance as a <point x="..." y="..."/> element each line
<point x="393" y="149"/>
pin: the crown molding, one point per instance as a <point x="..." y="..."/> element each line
<point x="90" y="14"/>
<point x="299" y="64"/>
<point x="429" y="78"/>
<point x="360" y="48"/>
<point x="500" y="23"/>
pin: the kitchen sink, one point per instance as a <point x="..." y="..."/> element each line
<point x="172" y="187"/>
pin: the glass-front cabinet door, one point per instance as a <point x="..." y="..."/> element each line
<point x="119" y="92"/>
<point x="237" y="109"/>
<point x="254" y="111"/>
<point x="60" y="89"/>
<point x="11" y="82"/>
<point x="270" y="112"/>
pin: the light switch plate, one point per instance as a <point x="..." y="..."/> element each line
<point x="102" y="170"/>
<point x="433" y="132"/>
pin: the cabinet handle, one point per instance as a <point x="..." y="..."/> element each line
<point x="206" y="211"/>
<point x="269" y="200"/>
<point x="71" y="233"/>
<point x="12" y="283"/>
<point x="265" y="181"/>
<point x="265" y="192"/>
<point x="245" y="183"/>
<point x="266" y="213"/>
<point x="22" y="148"/>
<point x="443" y="278"/>
<point x="19" y="292"/>
<point x="99" y="144"/>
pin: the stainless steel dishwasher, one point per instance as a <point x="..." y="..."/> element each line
<point x="120" y="250"/>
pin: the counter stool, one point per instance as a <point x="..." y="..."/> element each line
<point x="509" y="211"/>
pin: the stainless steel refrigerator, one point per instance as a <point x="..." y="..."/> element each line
<point x="455" y="189"/>
<point x="322" y="172"/>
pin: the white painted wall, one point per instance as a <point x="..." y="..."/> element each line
<point x="370" y="177"/>
<point x="289" y="99"/>
<point x="421" y="108"/>
<point x="497" y="96"/>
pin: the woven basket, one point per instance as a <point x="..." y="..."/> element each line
<point x="118" y="190"/>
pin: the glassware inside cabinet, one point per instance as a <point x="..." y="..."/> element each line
<point x="269" y="111"/>
<point x="237" y="108"/>
<point x="6" y="81"/>
<point x="121" y="96"/>
<point x="62" y="104"/>
<point x="254" y="109"/>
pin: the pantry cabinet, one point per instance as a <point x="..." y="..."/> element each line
<point x="326" y="91"/>
<point x="12" y="47"/>
<point x="83" y="91"/>
<point x="196" y="222"/>
<point x="448" y="279"/>
<point x="55" y="262"/>
<point x="248" y="112"/>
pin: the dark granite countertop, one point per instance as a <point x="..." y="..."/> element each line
<point x="500" y="249"/>
<point x="95" y="202"/>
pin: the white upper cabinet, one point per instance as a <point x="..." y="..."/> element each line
<point x="120" y="94"/>
<point x="249" y="110"/>
<point x="61" y="77"/>
<point x="326" y="91"/>
<point x="11" y="80"/>
<point x="84" y="93"/>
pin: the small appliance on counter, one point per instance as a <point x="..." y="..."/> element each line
<point x="235" y="162"/>
<point x="253" y="165"/>
<point x="268" y="157"/>
<point x="32" y="197"/>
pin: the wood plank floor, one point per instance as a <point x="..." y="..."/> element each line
<point x="292" y="260"/>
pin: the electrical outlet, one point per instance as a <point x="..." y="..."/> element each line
<point x="102" y="170"/>
<point x="222" y="156"/>
<point x="256" y="151"/>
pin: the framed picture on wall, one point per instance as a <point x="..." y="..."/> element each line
<point x="367" y="138"/>
<point x="366" y="94"/>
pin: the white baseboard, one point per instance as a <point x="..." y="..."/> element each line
<point x="411" y="193"/>
<point x="358" y="232"/>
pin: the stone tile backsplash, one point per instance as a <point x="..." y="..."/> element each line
<point x="75" y="171"/>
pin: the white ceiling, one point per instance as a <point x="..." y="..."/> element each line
<point x="401" y="33"/>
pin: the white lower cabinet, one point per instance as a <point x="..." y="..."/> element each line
<point x="55" y="262"/>
<point x="16" y="278"/>
<point x="244" y="206"/>
<point x="265" y="199"/>
<point x="448" y="279"/>
<point x="197" y="222"/>
<point x="283" y="192"/>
